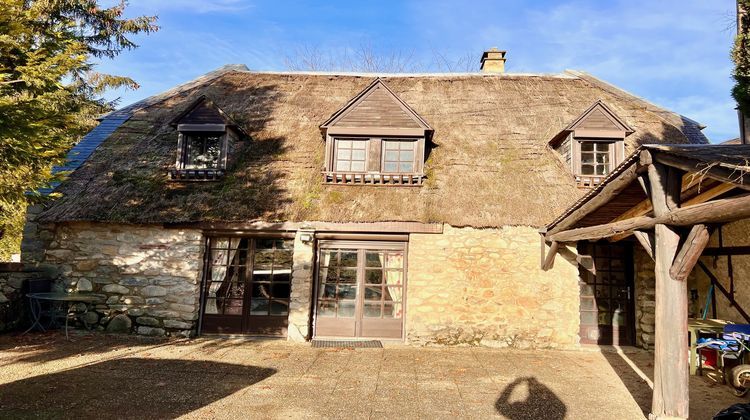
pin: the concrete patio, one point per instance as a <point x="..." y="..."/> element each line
<point x="42" y="375"/>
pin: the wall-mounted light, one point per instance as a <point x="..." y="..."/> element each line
<point x="306" y="238"/>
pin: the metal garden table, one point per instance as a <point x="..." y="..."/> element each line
<point x="66" y="307"/>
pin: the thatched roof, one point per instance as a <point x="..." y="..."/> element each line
<point x="490" y="166"/>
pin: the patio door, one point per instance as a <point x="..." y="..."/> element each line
<point x="607" y="309"/>
<point x="246" y="286"/>
<point x="360" y="289"/>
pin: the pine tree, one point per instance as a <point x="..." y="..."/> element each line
<point x="50" y="92"/>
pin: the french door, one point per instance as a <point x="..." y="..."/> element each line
<point x="360" y="289"/>
<point x="607" y="302"/>
<point x="246" y="287"/>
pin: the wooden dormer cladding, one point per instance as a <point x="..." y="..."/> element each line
<point x="206" y="141"/>
<point x="593" y="144"/>
<point x="377" y="139"/>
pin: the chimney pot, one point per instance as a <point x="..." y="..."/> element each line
<point x="493" y="61"/>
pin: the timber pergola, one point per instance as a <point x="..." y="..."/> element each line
<point x="668" y="198"/>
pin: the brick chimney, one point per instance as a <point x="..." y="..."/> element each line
<point x="493" y="61"/>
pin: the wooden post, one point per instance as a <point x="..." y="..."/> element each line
<point x="671" y="397"/>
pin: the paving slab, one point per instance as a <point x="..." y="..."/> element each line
<point x="104" y="376"/>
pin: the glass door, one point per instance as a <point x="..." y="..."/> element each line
<point x="360" y="290"/>
<point x="607" y="297"/>
<point x="247" y="286"/>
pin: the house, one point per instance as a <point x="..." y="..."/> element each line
<point x="388" y="206"/>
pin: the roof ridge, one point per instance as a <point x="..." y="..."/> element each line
<point x="390" y="74"/>
<point x="169" y="93"/>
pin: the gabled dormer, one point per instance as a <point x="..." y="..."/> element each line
<point x="206" y="139"/>
<point x="593" y="144"/>
<point x="376" y="138"/>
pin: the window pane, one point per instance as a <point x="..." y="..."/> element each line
<point x="373" y="293"/>
<point x="279" y="308"/>
<point x="342" y="166"/>
<point x="346" y="309"/>
<point x="358" y="166"/>
<point x="348" y="276"/>
<point x="259" y="307"/>
<point x="261" y="291"/>
<point x="326" y="308"/>
<point x="587" y="170"/>
<point x="602" y="147"/>
<point x="211" y="307"/>
<point x="602" y="158"/>
<point x="359" y="144"/>
<point x="601" y="170"/>
<point x="407" y="145"/>
<point x="328" y="292"/>
<point x="349" y="259"/>
<point x="392" y="310"/>
<point x="393" y="278"/>
<point x="587" y="146"/>
<point x="372" y="310"/>
<point x="391" y="156"/>
<point x="391" y="167"/>
<point x="587" y="158"/>
<point x="344" y="144"/>
<point x="393" y="294"/>
<point x="280" y="290"/>
<point x="374" y="277"/>
<point x="358" y="155"/>
<point x="394" y="260"/>
<point x="407" y="167"/>
<point x="347" y="292"/>
<point x="407" y="156"/>
<point x="374" y="259"/>
<point x="344" y="154"/>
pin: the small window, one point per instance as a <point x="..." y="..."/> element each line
<point x="596" y="157"/>
<point x="351" y="155"/>
<point x="202" y="150"/>
<point x="398" y="156"/>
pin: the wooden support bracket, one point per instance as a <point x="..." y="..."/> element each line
<point x="549" y="261"/>
<point x="646" y="239"/>
<point x="689" y="253"/>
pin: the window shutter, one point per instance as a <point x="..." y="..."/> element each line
<point x="373" y="163"/>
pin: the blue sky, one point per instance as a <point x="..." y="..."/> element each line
<point x="674" y="53"/>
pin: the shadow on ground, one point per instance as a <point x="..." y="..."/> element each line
<point x="127" y="388"/>
<point x="527" y="398"/>
<point x="636" y="369"/>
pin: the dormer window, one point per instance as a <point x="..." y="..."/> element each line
<point x="205" y="138"/>
<point x="375" y="139"/>
<point x="593" y="144"/>
<point x="202" y="150"/>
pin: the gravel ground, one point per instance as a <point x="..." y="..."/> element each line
<point x="44" y="376"/>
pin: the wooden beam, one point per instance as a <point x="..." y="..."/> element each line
<point x="689" y="253"/>
<point x="549" y="262"/>
<point x="646" y="239"/>
<point x="715" y="281"/>
<point x="740" y="179"/>
<point x="727" y="250"/>
<point x="709" y="194"/>
<point x="671" y="396"/>
<point x="716" y="211"/>
<point x="608" y="191"/>
<point x="688" y="181"/>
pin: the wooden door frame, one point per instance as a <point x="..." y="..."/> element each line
<point x="249" y="266"/>
<point x="397" y="244"/>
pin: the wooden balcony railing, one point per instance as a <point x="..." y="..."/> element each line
<point x="195" y="174"/>
<point x="343" y="178"/>
<point x="589" y="181"/>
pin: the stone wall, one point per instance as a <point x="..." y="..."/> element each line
<point x="485" y="286"/>
<point x="301" y="293"/>
<point x="645" y="298"/>
<point x="149" y="275"/>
